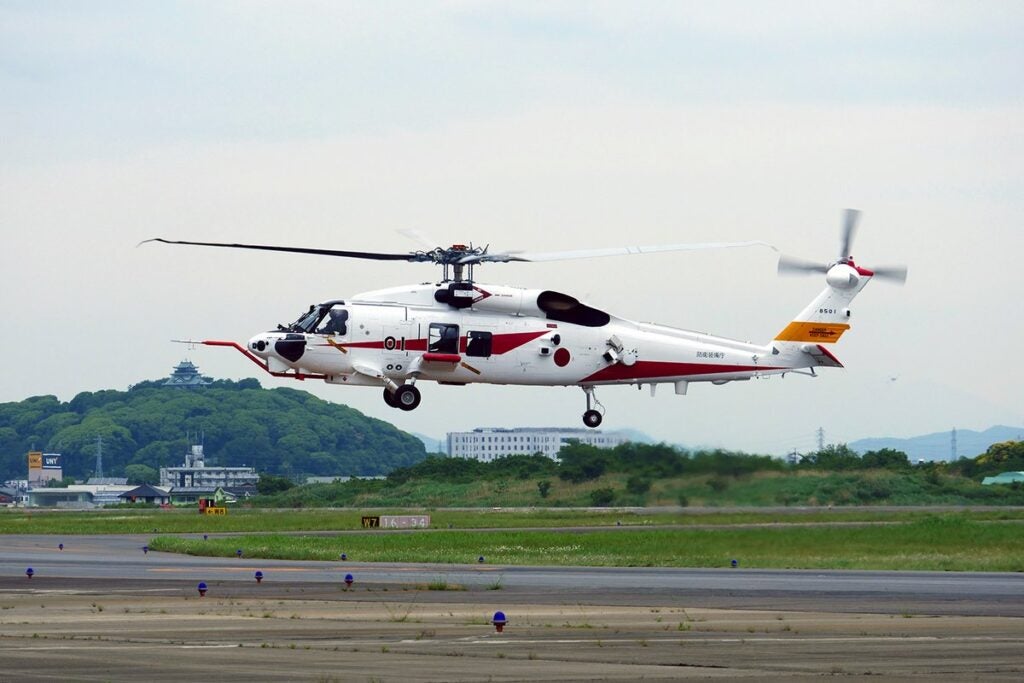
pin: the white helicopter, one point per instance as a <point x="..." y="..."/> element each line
<point x="459" y="331"/>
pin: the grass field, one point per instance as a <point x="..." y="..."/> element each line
<point x="815" y="538"/>
<point x="951" y="542"/>
<point x="156" y="521"/>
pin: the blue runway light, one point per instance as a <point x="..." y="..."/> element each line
<point x="499" y="621"/>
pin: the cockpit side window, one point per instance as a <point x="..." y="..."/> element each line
<point x="335" y="322"/>
<point x="443" y="338"/>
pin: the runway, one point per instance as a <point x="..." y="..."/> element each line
<point x="102" y="605"/>
<point x="122" y="557"/>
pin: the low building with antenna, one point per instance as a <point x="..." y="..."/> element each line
<point x="194" y="477"/>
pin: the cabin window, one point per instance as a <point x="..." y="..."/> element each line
<point x="478" y="344"/>
<point x="443" y="338"/>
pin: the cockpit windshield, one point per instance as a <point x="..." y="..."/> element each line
<point x="307" y="321"/>
<point x="330" y="318"/>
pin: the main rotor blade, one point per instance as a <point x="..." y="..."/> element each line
<point x="850" y="217"/>
<point x="302" y="250"/>
<point x="505" y="257"/>
<point x="417" y="236"/>
<point x="895" y="273"/>
<point x="790" y="265"/>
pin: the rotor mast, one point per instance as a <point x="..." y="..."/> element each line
<point x="457" y="261"/>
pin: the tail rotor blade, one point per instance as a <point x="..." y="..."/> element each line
<point x="897" y="274"/>
<point x="850" y="218"/>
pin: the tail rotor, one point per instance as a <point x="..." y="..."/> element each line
<point x="790" y="265"/>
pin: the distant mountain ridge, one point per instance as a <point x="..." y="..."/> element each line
<point x="938" y="446"/>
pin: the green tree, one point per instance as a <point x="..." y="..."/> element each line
<point x="581" y="462"/>
<point x="834" y="458"/>
<point x="141" y="474"/>
<point x="602" y="497"/>
<point x="544" y="487"/>
<point x="638" y="485"/>
<point x="269" y="484"/>
<point x="886" y="458"/>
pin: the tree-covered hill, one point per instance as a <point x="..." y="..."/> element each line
<point x="280" y="431"/>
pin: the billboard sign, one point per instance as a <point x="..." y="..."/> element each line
<point x="35" y="460"/>
<point x="51" y="461"/>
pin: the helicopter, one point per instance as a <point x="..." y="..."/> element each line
<point x="458" y="331"/>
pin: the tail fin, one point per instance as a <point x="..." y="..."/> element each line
<point x="827" y="317"/>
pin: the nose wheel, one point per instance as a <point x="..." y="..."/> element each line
<point x="592" y="418"/>
<point x="407" y="397"/>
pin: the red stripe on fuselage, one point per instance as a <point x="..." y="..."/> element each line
<point x="500" y="343"/>
<point x="651" y="369"/>
<point x="503" y="343"/>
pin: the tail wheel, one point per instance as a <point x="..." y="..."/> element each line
<point x="389" y="398"/>
<point x="592" y="419"/>
<point x="407" y="397"/>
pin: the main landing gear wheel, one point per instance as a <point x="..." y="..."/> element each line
<point x="592" y="418"/>
<point x="407" y="397"/>
<point x="389" y="398"/>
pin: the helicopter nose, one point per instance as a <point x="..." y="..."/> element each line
<point x="259" y="345"/>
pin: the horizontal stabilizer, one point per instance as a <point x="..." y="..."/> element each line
<point x="821" y="355"/>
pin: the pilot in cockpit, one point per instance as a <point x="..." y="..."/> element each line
<point x="334" y="322"/>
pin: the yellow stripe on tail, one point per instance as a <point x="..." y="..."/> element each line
<point x="819" y="332"/>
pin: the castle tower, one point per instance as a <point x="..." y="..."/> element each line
<point x="186" y="375"/>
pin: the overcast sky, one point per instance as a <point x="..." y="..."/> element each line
<point x="534" y="126"/>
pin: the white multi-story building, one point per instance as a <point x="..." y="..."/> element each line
<point x="488" y="443"/>
<point x="195" y="474"/>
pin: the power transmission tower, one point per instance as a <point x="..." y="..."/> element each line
<point x="99" y="458"/>
<point x="952" y="446"/>
<point x="821" y="439"/>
